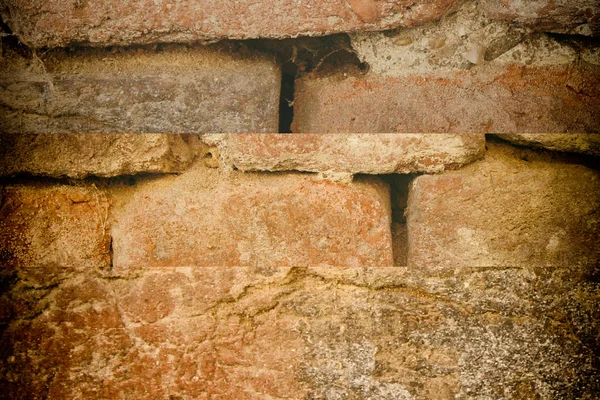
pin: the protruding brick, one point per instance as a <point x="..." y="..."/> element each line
<point x="48" y="229"/>
<point x="515" y="208"/>
<point x="174" y="89"/>
<point x="585" y="143"/>
<point x="351" y="153"/>
<point x="105" y="155"/>
<point x="580" y="17"/>
<point x="50" y="24"/>
<point x="508" y="99"/>
<point x="207" y="218"/>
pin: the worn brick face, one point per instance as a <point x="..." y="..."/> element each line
<point x="585" y="143"/>
<point x="515" y="208"/>
<point x="174" y="90"/>
<point x="351" y="153"/>
<point x="207" y="218"/>
<point x="51" y="24"/>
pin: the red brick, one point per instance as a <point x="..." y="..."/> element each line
<point x="175" y="89"/>
<point x="515" y="208"/>
<point x="50" y="24"/>
<point x="352" y="153"/>
<point x="210" y="218"/>
<point x="561" y="16"/>
<point x="500" y="98"/>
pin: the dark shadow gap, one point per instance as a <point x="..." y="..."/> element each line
<point x="399" y="189"/>
<point x="286" y="97"/>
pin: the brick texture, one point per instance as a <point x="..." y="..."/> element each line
<point x="585" y="143"/>
<point x="206" y="218"/>
<point x="172" y="90"/>
<point x="512" y="209"/>
<point x="50" y="24"/>
<point x="352" y="153"/>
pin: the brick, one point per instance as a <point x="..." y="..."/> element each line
<point x="47" y="230"/>
<point x="516" y="208"/>
<point x="104" y="155"/>
<point x="55" y="24"/>
<point x="250" y="333"/>
<point x="175" y="89"/>
<point x="352" y="154"/>
<point x="580" y="17"/>
<point x="584" y="143"/>
<point x="211" y="218"/>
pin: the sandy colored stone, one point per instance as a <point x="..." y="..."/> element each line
<point x="52" y="24"/>
<point x="104" y="155"/>
<point x="350" y="153"/>
<point x="207" y="217"/>
<point x="47" y="229"/>
<point x="515" y="98"/>
<point x="173" y="89"/>
<point x="585" y="143"/>
<point x="581" y="17"/>
<point x="319" y="333"/>
<point x="515" y="208"/>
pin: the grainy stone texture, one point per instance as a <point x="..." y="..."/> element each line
<point x="104" y="155"/>
<point x="45" y="229"/>
<point x="317" y="333"/>
<point x="205" y="217"/>
<point x="350" y="153"/>
<point x="585" y="143"/>
<point x="49" y="24"/>
<point x="464" y="73"/>
<point x="175" y="89"/>
<point x="515" y="208"/>
<point x="580" y="17"/>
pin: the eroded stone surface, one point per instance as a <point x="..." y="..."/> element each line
<point x="52" y="24"/>
<point x="319" y="333"/>
<point x="586" y="143"/>
<point x="210" y="218"/>
<point x="580" y="17"/>
<point x="350" y="153"/>
<point x="105" y="155"/>
<point x="515" y="208"/>
<point x="174" y="89"/>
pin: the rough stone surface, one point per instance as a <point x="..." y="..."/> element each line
<point x="174" y="89"/>
<point x="580" y="17"/>
<point x="318" y="333"/>
<point x="206" y="217"/>
<point x="49" y="24"/>
<point x="352" y="153"/>
<point x="515" y="208"/>
<point x="104" y="155"/>
<point x="585" y="143"/>
<point x="45" y="229"/>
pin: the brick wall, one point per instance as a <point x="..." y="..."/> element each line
<point x="428" y="230"/>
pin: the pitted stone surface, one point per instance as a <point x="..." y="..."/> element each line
<point x="585" y="143"/>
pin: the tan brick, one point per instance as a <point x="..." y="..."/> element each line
<point x="105" y="155"/>
<point x="51" y="24"/>
<point x="585" y="143"/>
<point x="580" y="17"/>
<point x="210" y="218"/>
<point x="47" y="230"/>
<point x="515" y="208"/>
<point x="352" y="153"/>
<point x="176" y="89"/>
<point x="503" y="99"/>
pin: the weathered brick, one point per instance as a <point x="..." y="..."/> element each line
<point x="49" y="229"/>
<point x="248" y="333"/>
<point x="585" y="143"/>
<point x="50" y="24"/>
<point x="515" y="208"/>
<point x="175" y="89"/>
<point x="514" y="98"/>
<point x="105" y="155"/>
<point x="207" y="217"/>
<point x="580" y="17"/>
<point x="352" y="154"/>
